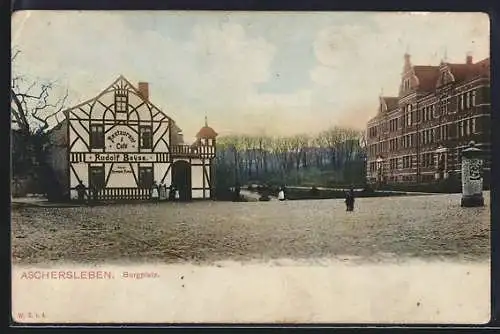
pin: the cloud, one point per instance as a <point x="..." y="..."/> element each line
<point x="217" y="65"/>
<point x="357" y="61"/>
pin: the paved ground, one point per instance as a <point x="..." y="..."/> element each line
<point x="417" y="226"/>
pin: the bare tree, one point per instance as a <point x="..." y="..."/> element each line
<point x="272" y="157"/>
<point x="297" y="146"/>
<point x="32" y="104"/>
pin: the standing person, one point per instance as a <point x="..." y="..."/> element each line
<point x="281" y="194"/>
<point x="237" y="190"/>
<point x="154" y="191"/>
<point x="81" y="191"/>
<point x="349" y="201"/>
<point x="171" y="192"/>
<point x="95" y="193"/>
<point x="163" y="191"/>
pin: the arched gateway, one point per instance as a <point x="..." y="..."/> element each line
<point x="119" y="143"/>
<point x="181" y="178"/>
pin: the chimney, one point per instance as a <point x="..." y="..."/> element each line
<point x="468" y="59"/>
<point x="143" y="88"/>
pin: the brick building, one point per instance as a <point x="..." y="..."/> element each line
<point x="418" y="136"/>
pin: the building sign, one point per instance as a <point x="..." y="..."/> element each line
<point x="120" y="157"/>
<point x="121" y="140"/>
<point x="121" y="169"/>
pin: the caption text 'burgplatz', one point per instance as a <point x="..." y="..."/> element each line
<point x="83" y="275"/>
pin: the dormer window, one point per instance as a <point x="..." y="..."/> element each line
<point x="406" y="84"/>
<point x="443" y="78"/>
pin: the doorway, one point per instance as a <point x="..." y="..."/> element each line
<point x="181" y="179"/>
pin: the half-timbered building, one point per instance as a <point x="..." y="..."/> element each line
<point x="120" y="144"/>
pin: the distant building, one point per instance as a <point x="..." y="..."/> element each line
<point x="418" y="136"/>
<point x="120" y="143"/>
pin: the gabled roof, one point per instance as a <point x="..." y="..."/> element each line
<point x="121" y="80"/>
<point x="391" y="102"/>
<point x="427" y="77"/>
<point x="464" y="72"/>
<point x="483" y="67"/>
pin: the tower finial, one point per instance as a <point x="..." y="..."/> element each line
<point x="206" y="120"/>
<point x="445" y="53"/>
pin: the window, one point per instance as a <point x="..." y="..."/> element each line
<point x="461" y="105"/>
<point x="145" y="136"/>
<point x="407" y="162"/>
<point x="121" y="102"/>
<point x="467" y="100"/>
<point x="473" y="125"/>
<point x="473" y="98"/>
<point x="145" y="177"/>
<point x="96" y="136"/>
<point x="393" y="163"/>
<point x="451" y="131"/>
<point x="97" y="177"/>
<point x="461" y="128"/>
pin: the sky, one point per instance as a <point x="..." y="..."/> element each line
<point x="268" y="73"/>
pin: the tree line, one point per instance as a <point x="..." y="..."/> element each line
<point x="332" y="156"/>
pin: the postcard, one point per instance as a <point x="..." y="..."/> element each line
<point x="188" y="167"/>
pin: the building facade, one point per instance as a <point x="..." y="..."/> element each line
<point x="418" y="136"/>
<point x="120" y="144"/>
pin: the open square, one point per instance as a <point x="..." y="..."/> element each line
<point x="408" y="226"/>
